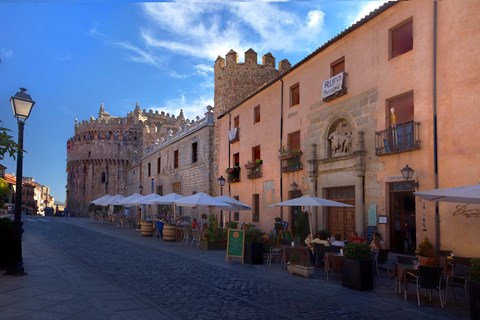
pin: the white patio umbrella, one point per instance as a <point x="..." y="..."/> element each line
<point x="100" y="201"/>
<point x="115" y="200"/>
<point x="150" y="198"/>
<point x="126" y="201"/>
<point x="236" y="204"/>
<point x="201" y="199"/>
<point x="466" y="194"/>
<point x="310" y="201"/>
<point x="170" y="199"/>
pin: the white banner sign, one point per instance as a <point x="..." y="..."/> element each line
<point x="332" y="85"/>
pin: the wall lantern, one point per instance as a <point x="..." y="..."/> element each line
<point x="407" y="174"/>
<point x="294" y="186"/>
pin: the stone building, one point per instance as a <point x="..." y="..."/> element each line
<point x="396" y="88"/>
<point x="102" y="150"/>
<point x="181" y="162"/>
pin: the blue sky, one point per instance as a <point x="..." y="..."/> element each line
<point x="73" y="56"/>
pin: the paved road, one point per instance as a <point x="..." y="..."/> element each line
<point x="188" y="283"/>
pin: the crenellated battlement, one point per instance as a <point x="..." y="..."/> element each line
<point x="251" y="60"/>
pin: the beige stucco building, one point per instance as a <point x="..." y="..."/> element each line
<point x="397" y="88"/>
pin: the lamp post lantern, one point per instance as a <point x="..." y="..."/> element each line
<point x="407" y="173"/>
<point x="22" y="105"/>
<point x="221" y="183"/>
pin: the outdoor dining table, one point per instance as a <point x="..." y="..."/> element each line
<point x="333" y="261"/>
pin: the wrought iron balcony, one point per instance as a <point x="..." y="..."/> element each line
<point x="404" y="137"/>
<point x="292" y="164"/>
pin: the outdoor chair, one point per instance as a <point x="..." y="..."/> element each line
<point x="458" y="278"/>
<point x="274" y="253"/>
<point x="185" y="235"/>
<point x="380" y="257"/>
<point x="195" y="237"/>
<point x="428" y="278"/>
<point x="319" y="254"/>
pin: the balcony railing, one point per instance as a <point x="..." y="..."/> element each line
<point x="254" y="170"/>
<point x="234" y="135"/>
<point x="292" y="164"/>
<point x="403" y="137"/>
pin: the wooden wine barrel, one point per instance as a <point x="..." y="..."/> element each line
<point x="146" y="229"/>
<point x="169" y="232"/>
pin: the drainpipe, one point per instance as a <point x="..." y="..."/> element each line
<point x="435" y="137"/>
<point x="281" y="144"/>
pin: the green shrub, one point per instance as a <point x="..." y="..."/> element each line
<point x="357" y="251"/>
<point x="474" y="273"/>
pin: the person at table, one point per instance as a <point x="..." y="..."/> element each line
<point x="354" y="238"/>
<point x="375" y="244"/>
<point x="308" y="242"/>
<point x="321" y="239"/>
<point x="338" y="241"/>
<point x="194" y="223"/>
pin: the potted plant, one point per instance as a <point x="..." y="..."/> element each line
<point x="232" y="224"/>
<point x="253" y="253"/>
<point x="214" y="238"/>
<point x="300" y="264"/>
<point x="474" y="294"/>
<point x="425" y="253"/>
<point x="357" y="267"/>
<point x="258" y="161"/>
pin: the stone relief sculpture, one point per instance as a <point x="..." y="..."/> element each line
<point x="341" y="139"/>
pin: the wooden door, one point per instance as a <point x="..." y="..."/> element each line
<point x="342" y="220"/>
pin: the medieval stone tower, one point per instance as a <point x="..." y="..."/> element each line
<point x="102" y="149"/>
<point x="235" y="81"/>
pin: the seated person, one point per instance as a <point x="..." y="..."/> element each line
<point x="308" y="241"/>
<point x="338" y="241"/>
<point x="321" y="239"/>
<point x="354" y="238"/>
<point x="194" y="224"/>
<point x="375" y="244"/>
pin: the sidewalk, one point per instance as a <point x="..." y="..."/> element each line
<point x="57" y="287"/>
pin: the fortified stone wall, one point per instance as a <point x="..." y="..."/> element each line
<point x="102" y="150"/>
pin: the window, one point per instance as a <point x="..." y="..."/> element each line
<point x="236" y="122"/>
<point x="104" y="177"/>
<point x="256" y="153"/>
<point x="175" y="159"/>
<point x="256" y="114"/>
<point x="149" y="165"/>
<point x="236" y="160"/>
<point x="294" y="141"/>
<point x="402" y="109"/>
<point x="256" y="208"/>
<point x="401" y="38"/>
<point x="194" y="152"/>
<point x="236" y="214"/>
<point x="177" y="187"/>
<point x="337" y="66"/>
<point x="294" y="95"/>
<point x="159" y="164"/>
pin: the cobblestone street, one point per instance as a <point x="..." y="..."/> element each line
<point x="126" y="276"/>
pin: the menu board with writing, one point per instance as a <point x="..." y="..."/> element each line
<point x="235" y="244"/>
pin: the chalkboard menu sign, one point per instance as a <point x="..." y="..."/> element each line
<point x="235" y="244"/>
<point x="370" y="231"/>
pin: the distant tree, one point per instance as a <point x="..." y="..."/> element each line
<point x="3" y="191"/>
<point x="7" y="144"/>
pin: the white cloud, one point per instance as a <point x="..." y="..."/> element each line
<point x="192" y="107"/>
<point x="203" y="70"/>
<point x="205" y="30"/>
<point x="6" y="53"/>
<point x="366" y="7"/>
<point x="177" y="75"/>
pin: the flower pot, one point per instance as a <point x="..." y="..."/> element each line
<point x="303" y="271"/>
<point x="357" y="274"/>
<point x="426" y="261"/>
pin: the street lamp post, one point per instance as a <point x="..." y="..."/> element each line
<point x="22" y="105"/>
<point x="221" y="183"/>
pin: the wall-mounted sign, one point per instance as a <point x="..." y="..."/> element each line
<point x="333" y="87"/>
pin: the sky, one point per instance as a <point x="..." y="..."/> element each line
<point x="72" y="56"/>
